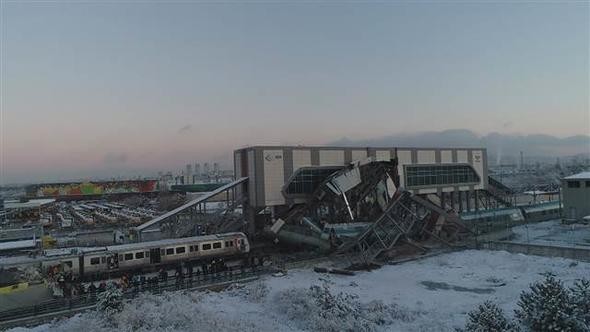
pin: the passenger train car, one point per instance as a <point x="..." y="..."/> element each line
<point x="145" y="256"/>
<point x="516" y="215"/>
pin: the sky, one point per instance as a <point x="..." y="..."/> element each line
<point x="95" y="89"/>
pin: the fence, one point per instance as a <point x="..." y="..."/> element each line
<point x="89" y="300"/>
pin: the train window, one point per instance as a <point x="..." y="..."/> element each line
<point x="180" y="250"/>
<point x="162" y="252"/>
<point x="139" y="255"/>
<point x="103" y="259"/>
<point x="128" y="257"/>
<point x="217" y="245"/>
<point x="170" y="251"/>
<point x="231" y="243"/>
<point x="207" y="246"/>
<point x="94" y="260"/>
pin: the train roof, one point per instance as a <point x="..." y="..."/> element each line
<point x="541" y="207"/>
<point x="167" y="242"/>
<point x="71" y="251"/>
<point x="21" y="244"/>
<point x="489" y="213"/>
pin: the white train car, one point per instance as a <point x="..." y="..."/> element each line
<point x="149" y="255"/>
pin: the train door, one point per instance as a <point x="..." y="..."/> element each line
<point x="155" y="256"/>
<point x="81" y="264"/>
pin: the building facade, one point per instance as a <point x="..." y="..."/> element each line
<point x="576" y="196"/>
<point x="276" y="172"/>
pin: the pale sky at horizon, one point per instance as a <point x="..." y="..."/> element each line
<point x="97" y="89"/>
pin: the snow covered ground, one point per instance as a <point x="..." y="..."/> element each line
<point x="553" y="233"/>
<point x="433" y="294"/>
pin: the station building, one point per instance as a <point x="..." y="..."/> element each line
<point x="576" y="196"/>
<point x="278" y="174"/>
<point x="277" y="182"/>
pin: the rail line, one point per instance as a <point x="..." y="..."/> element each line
<point x="47" y="310"/>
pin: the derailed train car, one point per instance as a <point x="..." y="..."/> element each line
<point x="148" y="256"/>
<point x="516" y="215"/>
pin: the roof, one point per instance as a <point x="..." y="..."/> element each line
<point x="542" y="207"/>
<point x="579" y="176"/>
<point x="340" y="147"/>
<point x="167" y="242"/>
<point x="12" y="245"/>
<point x="490" y="213"/>
<point x="189" y="204"/>
<point x="33" y="203"/>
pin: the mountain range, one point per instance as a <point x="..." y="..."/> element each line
<point x="501" y="148"/>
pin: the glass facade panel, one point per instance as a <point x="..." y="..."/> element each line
<point x="307" y="180"/>
<point x="440" y="175"/>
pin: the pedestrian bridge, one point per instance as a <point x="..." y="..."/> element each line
<point x="176" y="220"/>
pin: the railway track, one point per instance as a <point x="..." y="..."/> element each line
<point x="48" y="310"/>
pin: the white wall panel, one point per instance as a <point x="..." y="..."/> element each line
<point x="426" y="157"/>
<point x="404" y="158"/>
<point x="238" y="165"/>
<point x="274" y="177"/>
<point x="383" y="155"/>
<point x="301" y="158"/>
<point x="446" y="156"/>
<point x="331" y="157"/>
<point x="251" y="177"/>
<point x="461" y="156"/>
<point x="477" y="163"/>
<point x="359" y="155"/>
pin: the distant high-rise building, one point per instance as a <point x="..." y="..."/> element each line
<point x="197" y="169"/>
<point x="206" y="169"/>
<point x="521" y="160"/>
<point x="189" y="173"/>
<point x="216" y="169"/>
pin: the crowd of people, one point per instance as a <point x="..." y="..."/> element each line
<point x="65" y="284"/>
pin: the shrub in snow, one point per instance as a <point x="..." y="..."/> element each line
<point x="170" y="311"/>
<point x="179" y="311"/>
<point x="318" y="308"/>
<point x="110" y="301"/>
<point x="253" y="292"/>
<point x="547" y="306"/>
<point x="488" y="317"/>
<point x="580" y="294"/>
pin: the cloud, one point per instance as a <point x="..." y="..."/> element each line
<point x="185" y="129"/>
<point x="115" y="158"/>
